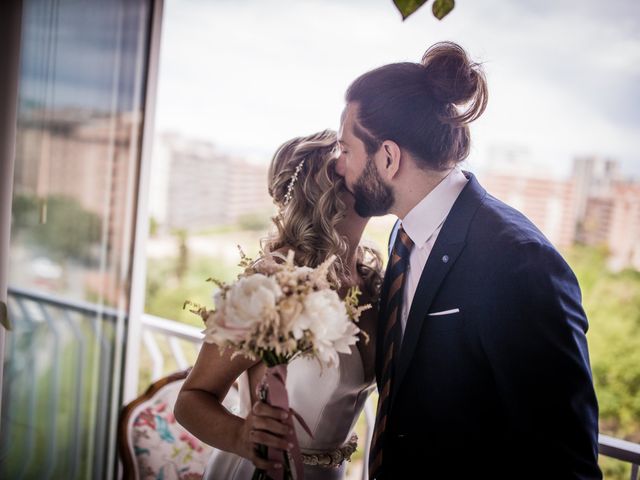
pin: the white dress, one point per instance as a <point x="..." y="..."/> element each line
<point x="329" y="400"/>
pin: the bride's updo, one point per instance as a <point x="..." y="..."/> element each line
<point x="310" y="208"/>
<point x="424" y="107"/>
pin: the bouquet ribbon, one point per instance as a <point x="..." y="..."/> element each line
<point x="274" y="382"/>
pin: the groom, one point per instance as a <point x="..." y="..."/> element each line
<point x="482" y="362"/>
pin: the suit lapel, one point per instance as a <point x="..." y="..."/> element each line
<point x="431" y="279"/>
<point x="448" y="246"/>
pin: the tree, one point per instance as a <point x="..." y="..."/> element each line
<point x="69" y="231"/>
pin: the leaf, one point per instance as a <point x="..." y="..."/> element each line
<point x="407" y="7"/>
<point x="442" y="7"/>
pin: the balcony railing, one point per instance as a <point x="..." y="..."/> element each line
<point x="58" y="387"/>
<point x="170" y="332"/>
<point x="621" y="450"/>
<point x="168" y="344"/>
<point x="161" y="336"/>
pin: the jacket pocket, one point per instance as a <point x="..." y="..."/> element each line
<point x="442" y="322"/>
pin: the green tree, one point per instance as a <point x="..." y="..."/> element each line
<point x="153" y="226"/>
<point x="182" y="262"/>
<point x="612" y="303"/>
<point x="69" y="230"/>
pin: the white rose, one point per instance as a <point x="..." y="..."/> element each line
<point x="325" y="316"/>
<point x="247" y="302"/>
<point x="212" y="332"/>
<point x="218" y="299"/>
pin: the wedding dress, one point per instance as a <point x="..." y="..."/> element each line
<point x="328" y="399"/>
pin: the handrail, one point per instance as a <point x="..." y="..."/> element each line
<point x="616" y="448"/>
<point x="176" y="329"/>
<point x="84" y="308"/>
<point x="619" y="449"/>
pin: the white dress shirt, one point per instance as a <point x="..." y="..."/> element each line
<point x="423" y="224"/>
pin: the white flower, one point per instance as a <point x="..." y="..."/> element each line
<point x="325" y="316"/>
<point x="212" y="332"/>
<point x="247" y="302"/>
<point x="303" y="272"/>
<point x="290" y="308"/>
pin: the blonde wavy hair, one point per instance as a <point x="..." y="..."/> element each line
<point x="307" y="223"/>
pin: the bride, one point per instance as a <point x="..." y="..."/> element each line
<point x="316" y="219"/>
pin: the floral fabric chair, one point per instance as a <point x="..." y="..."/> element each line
<point x="152" y="445"/>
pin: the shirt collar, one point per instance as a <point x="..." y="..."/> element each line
<point x="423" y="220"/>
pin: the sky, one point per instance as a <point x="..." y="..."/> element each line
<point x="564" y="76"/>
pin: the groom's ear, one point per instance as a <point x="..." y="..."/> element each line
<point x="392" y="158"/>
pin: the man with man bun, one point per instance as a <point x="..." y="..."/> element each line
<point x="482" y="361"/>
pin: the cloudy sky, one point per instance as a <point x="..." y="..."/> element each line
<point x="564" y="75"/>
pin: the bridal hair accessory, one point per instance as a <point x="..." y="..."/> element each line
<point x="292" y="182"/>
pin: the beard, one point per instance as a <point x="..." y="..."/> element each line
<point x="372" y="197"/>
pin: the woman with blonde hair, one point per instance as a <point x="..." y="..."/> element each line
<point x="316" y="219"/>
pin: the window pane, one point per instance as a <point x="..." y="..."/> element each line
<point x="77" y="153"/>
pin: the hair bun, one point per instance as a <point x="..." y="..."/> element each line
<point x="454" y="79"/>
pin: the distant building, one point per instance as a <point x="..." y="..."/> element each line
<point x="614" y="221"/>
<point x="550" y="204"/>
<point x="624" y="234"/>
<point x="594" y="206"/>
<point x="594" y="177"/>
<point x="95" y="150"/>
<point x="609" y="211"/>
<point x="195" y="186"/>
<point x="595" y="226"/>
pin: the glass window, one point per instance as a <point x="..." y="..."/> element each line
<point x="81" y="91"/>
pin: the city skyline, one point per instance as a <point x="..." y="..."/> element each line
<point x="594" y="205"/>
<point x="258" y="73"/>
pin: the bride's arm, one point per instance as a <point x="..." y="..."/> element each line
<point x="199" y="409"/>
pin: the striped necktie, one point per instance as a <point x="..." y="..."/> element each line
<point x="391" y="342"/>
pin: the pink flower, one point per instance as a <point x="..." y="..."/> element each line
<point x="193" y="443"/>
<point x="145" y="418"/>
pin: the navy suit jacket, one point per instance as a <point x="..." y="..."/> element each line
<point x="503" y="388"/>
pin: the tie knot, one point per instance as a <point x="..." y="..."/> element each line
<point x="405" y="238"/>
<point x="403" y="244"/>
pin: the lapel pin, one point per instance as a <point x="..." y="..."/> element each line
<point x="445" y="258"/>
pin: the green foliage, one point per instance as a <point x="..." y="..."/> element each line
<point x="51" y="382"/>
<point x="69" y="231"/>
<point x="407" y="7"/>
<point x="166" y="293"/>
<point x="182" y="262"/>
<point x="612" y="303"/>
<point x="440" y="8"/>
<point x="153" y="226"/>
<point x="24" y="212"/>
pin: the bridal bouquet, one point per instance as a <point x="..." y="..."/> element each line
<point x="276" y="312"/>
